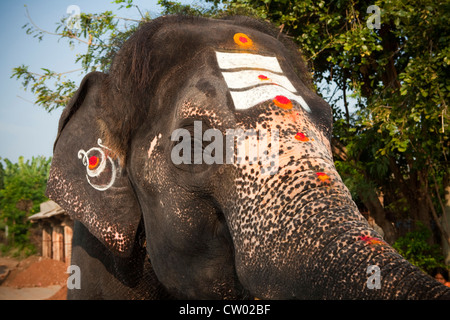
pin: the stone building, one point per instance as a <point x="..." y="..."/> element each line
<point x="57" y="231"/>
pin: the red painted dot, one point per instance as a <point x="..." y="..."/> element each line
<point x="322" y="176"/>
<point x="371" y="240"/>
<point x="301" y="137"/>
<point x="93" y="162"/>
<point x="282" y="102"/>
<point x="262" y="77"/>
<point x="282" y="99"/>
<point x="243" y="39"/>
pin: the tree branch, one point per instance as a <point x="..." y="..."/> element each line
<point x="436" y="219"/>
<point x="68" y="35"/>
<point x="36" y="26"/>
<point x="339" y="149"/>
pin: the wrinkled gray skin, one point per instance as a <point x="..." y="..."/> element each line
<point x="211" y="231"/>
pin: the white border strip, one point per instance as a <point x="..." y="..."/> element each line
<point x="247" y="60"/>
<point x="249" y="78"/>
<point x="247" y="99"/>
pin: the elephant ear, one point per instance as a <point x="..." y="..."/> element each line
<point x="86" y="178"/>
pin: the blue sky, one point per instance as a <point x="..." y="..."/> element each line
<point x="27" y="129"/>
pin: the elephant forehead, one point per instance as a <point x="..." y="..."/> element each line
<point x="220" y="71"/>
<point x="216" y="115"/>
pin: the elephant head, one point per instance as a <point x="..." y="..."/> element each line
<point x="209" y="132"/>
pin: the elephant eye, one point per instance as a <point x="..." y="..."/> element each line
<point x="188" y="148"/>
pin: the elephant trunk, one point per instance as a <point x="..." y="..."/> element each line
<point x="315" y="244"/>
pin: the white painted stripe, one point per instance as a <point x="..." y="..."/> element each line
<point x="249" y="78"/>
<point x="247" y="60"/>
<point x="247" y="99"/>
<point x="242" y="79"/>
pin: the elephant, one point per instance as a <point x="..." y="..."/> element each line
<point x="155" y="161"/>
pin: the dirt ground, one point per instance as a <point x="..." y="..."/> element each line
<point x="34" y="278"/>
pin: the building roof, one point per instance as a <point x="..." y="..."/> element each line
<point x="48" y="209"/>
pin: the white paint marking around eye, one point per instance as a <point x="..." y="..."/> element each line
<point x="153" y="144"/>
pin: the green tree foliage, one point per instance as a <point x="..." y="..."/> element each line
<point x="415" y="247"/>
<point x="391" y="132"/>
<point x="22" y="191"/>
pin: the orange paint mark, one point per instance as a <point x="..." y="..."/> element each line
<point x="263" y="77"/>
<point x="301" y="137"/>
<point x="371" y="240"/>
<point x="323" y="176"/>
<point x="93" y="162"/>
<point x="242" y="40"/>
<point x="282" y="102"/>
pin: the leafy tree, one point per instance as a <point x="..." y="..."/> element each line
<point x="391" y="132"/>
<point x="102" y="34"/>
<point x="22" y="192"/>
<point x="415" y="247"/>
